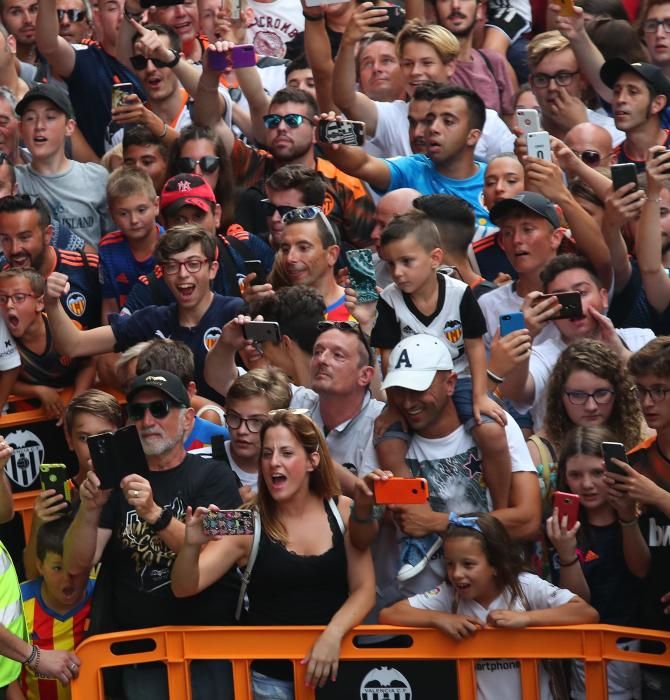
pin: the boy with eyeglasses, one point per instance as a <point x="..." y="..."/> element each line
<point x="186" y="256"/>
<point x="526" y="374"/>
<point x="43" y="370"/>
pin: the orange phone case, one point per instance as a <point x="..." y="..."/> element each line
<point x="567" y="504"/>
<point x="401" y="491"/>
<point x="567" y="8"/>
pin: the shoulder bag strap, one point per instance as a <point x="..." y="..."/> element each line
<point x="255" y="544"/>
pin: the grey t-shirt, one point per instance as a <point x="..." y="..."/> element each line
<point x="77" y="197"/>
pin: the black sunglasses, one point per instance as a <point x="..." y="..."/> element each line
<point x="208" y="164"/>
<point x="158" y="408"/>
<point x="348" y="327"/>
<point x="590" y="157"/>
<point x="140" y="62"/>
<point x="269" y="208"/>
<point x="72" y="15"/>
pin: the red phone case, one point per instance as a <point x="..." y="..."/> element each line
<point x="567" y="504"/>
<point x="401" y="491"/>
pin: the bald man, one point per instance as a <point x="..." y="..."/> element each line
<point x="391" y="204"/>
<point x="592" y="143"/>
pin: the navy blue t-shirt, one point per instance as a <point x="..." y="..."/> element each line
<point x="90" y="86"/>
<point x="163" y="321"/>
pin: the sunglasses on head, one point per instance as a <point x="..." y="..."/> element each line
<point x="309" y="214"/>
<point x="293" y="121"/>
<point x="140" y="62"/>
<point x="72" y="15"/>
<point x="269" y="208"/>
<point x="158" y="408"/>
<point x="208" y="164"/>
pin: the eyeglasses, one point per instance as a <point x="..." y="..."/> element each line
<point x="348" y="327"/>
<point x="173" y="267"/>
<point x="140" y="62"/>
<point x="269" y="208"/>
<point x="563" y="78"/>
<point x="589" y="157"/>
<point x="656" y="393"/>
<point x="158" y="409"/>
<point x="15" y="298"/>
<point x="309" y="214"/>
<point x="580" y="398"/>
<point x="651" y="26"/>
<point x="72" y="15"/>
<point x="208" y="164"/>
<point x="253" y="425"/>
<point x="293" y="121"/>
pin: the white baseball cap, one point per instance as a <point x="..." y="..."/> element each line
<point x="415" y="360"/>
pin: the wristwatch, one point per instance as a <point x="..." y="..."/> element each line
<point x="176" y="58"/>
<point x="163" y="520"/>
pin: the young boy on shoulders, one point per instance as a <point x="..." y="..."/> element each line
<point x="129" y="252"/>
<point x="422" y="299"/>
<point x="57" y="607"/>
<point x="43" y="370"/>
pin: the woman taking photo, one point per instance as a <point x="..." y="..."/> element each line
<point x="306" y="571"/>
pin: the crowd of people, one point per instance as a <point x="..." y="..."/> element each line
<point x="301" y="250"/>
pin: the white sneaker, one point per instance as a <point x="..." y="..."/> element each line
<point x="408" y="571"/>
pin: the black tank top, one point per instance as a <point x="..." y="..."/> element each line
<point x="290" y="589"/>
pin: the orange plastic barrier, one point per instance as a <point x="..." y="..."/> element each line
<point x="23" y="505"/>
<point x="177" y="646"/>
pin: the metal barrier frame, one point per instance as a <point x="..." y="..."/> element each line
<point x="177" y="646"/>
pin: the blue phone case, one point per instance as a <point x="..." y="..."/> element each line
<point x="511" y="322"/>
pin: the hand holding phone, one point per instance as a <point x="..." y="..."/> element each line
<point x="624" y="174"/>
<point x="511" y="322"/>
<point x="571" y="304"/>
<point x="614" y="450"/>
<point x="539" y="145"/>
<point x="400" y="491"/>
<point x="116" y="455"/>
<point x="341" y="131"/>
<point x="362" y="275"/>
<point x="528" y="120"/>
<point x="568" y="507"/>
<point x="228" y="522"/>
<point x="55" y="476"/>
<point x="262" y="331"/>
<point x="255" y="266"/>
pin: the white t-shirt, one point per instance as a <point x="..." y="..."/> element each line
<point x="452" y="466"/>
<point x="9" y="355"/>
<point x="246" y="478"/>
<point x="392" y="135"/>
<point x="505" y="300"/>
<point x="275" y="25"/>
<point x="544" y="356"/>
<point x="604" y="120"/>
<point x="499" y="679"/>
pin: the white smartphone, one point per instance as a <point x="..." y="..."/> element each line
<point x="528" y="120"/>
<point x="539" y="145"/>
<point x="316" y="3"/>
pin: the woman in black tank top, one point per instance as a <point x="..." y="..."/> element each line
<point x="306" y="571"/>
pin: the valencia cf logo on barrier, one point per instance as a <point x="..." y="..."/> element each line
<point x="210" y="337"/>
<point x="384" y="683"/>
<point x="24" y="464"/>
<point x="453" y="331"/>
<point x="76" y="303"/>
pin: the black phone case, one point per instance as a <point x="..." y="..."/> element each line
<point x="623" y="174"/>
<point x="115" y="455"/>
<point x="257" y="267"/>
<point x="610" y="453"/>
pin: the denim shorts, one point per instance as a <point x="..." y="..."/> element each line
<point x="266" y="688"/>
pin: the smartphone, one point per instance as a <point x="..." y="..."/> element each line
<point x="115" y="455"/>
<point x="622" y="174"/>
<point x="362" y="274"/>
<point x="344" y="132"/>
<point x="119" y="93"/>
<point x="567" y="8"/>
<point x="571" y="304"/>
<point x="539" y="145"/>
<point x="235" y="9"/>
<point x="241" y="56"/>
<point x="54" y="476"/>
<point x="228" y="522"/>
<point x="528" y="120"/>
<point x="318" y="3"/>
<point x="614" y="450"/>
<point x="257" y="267"/>
<point x="511" y="322"/>
<point x="261" y="331"/>
<point x="401" y="491"/>
<point x="396" y="19"/>
<point x="567" y="504"/>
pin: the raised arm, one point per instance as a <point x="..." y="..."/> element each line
<point x="69" y="340"/>
<point x="220" y="367"/>
<point x="354" y="104"/>
<point x="58" y="53"/>
<point x="649" y="244"/>
<point x="318" y="53"/>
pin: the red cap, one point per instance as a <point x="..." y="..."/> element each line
<point x="184" y="189"/>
